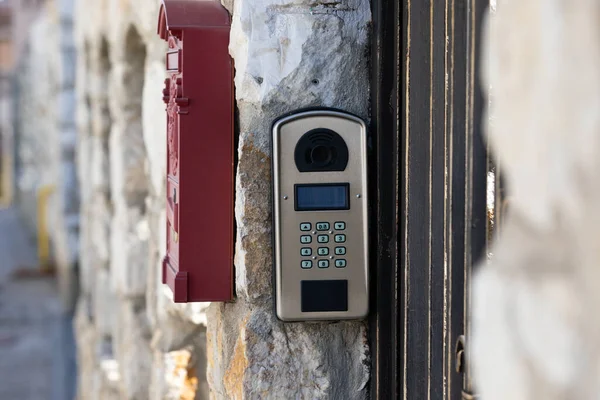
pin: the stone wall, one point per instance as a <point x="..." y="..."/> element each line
<point x="535" y="326"/>
<point x="288" y="55"/>
<point x="133" y="341"/>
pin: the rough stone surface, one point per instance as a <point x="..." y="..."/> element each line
<point x="288" y="55"/>
<point x="534" y="335"/>
<point x="263" y="358"/>
<point x="133" y="338"/>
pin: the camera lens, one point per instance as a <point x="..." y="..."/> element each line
<point x="320" y="155"/>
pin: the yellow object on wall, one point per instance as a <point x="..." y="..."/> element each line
<point x="5" y="179"/>
<point x="43" y="236"/>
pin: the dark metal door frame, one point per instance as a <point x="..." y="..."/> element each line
<point x="429" y="171"/>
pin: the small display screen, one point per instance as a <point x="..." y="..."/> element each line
<point x="322" y="197"/>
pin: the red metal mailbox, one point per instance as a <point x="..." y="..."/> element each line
<point x="200" y="150"/>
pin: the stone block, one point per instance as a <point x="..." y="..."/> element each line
<point x="128" y="163"/>
<point x="264" y="358"/>
<point x="129" y="252"/>
<point x="178" y="377"/>
<point x="132" y="351"/>
<point x="99" y="169"/>
<point x="100" y="228"/>
<point x="105" y="303"/>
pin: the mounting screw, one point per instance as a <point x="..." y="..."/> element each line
<point x="358" y="196"/>
<point x="285" y="197"/>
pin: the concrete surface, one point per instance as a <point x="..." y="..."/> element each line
<point x="36" y="344"/>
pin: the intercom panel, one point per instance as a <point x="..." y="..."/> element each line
<point x="320" y="216"/>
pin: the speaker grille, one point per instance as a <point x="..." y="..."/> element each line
<point x="320" y="138"/>
<point x="331" y="155"/>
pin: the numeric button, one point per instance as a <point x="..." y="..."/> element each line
<point x="339" y="251"/>
<point x="323" y="263"/>
<point x="340" y="238"/>
<point x="306" y="264"/>
<point x="340" y="263"/>
<point x="323" y="251"/>
<point x="322" y="226"/>
<point x="306" y="251"/>
<point x="305" y="239"/>
<point x="323" y="239"/>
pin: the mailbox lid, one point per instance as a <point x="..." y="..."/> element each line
<point x="178" y="15"/>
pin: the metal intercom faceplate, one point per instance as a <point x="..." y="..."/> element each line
<point x="320" y="216"/>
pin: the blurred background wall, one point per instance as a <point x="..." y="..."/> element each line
<point x="82" y="118"/>
<point x="133" y="342"/>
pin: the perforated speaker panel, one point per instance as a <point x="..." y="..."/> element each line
<point x="321" y="150"/>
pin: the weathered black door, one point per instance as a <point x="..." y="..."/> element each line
<point x="429" y="178"/>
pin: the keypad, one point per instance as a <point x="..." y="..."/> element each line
<point x="305" y="226"/>
<point x="323" y="226"/>
<point x="340" y="238"/>
<point x="306" y="251"/>
<point x="323" y="235"/>
<point x="323" y="238"/>
<point x="323" y="251"/>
